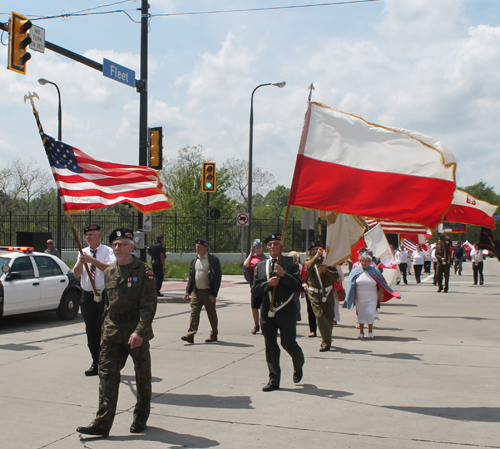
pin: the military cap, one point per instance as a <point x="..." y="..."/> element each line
<point x="443" y="238"/>
<point x="202" y="242"/>
<point x="121" y="233"/>
<point x="160" y="236"/>
<point x="91" y="228"/>
<point x="275" y="236"/>
<point x="314" y="245"/>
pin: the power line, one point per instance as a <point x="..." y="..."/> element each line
<point x="264" y="9"/>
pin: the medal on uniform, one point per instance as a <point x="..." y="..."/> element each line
<point x="135" y="279"/>
<point x="129" y="282"/>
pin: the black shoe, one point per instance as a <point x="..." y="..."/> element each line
<point x="297" y="376"/>
<point x="255" y="330"/>
<point x="159" y="294"/>
<point x="188" y="338"/>
<point x="481" y="283"/>
<point x="92" y="429"/>
<point x="92" y="371"/>
<point x="137" y="426"/>
<point x="440" y="290"/>
<point x="445" y="291"/>
<point x="270" y="387"/>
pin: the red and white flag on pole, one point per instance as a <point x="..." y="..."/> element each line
<point x="349" y="165"/>
<point x="469" y="210"/>
<point x="87" y="183"/>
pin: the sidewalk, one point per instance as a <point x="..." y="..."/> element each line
<point x="429" y="379"/>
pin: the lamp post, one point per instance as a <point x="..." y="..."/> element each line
<point x="43" y="81"/>
<point x="250" y="162"/>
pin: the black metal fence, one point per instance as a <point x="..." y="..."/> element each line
<point x="224" y="234"/>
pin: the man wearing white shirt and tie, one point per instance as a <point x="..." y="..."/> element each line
<point x="98" y="257"/>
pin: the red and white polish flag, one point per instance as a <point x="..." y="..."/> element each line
<point x="469" y="210"/>
<point x="349" y="165"/>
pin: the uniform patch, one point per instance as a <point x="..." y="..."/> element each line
<point x="150" y="274"/>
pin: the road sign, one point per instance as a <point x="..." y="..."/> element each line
<point x="496" y="217"/>
<point x="242" y="219"/>
<point x="37" y="35"/>
<point x="147" y="222"/>
<point x="118" y="73"/>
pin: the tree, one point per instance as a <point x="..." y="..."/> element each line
<point x="238" y="181"/>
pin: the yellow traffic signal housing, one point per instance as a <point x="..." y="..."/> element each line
<point x="18" y="41"/>
<point x="156" y="148"/>
<point x="208" y="177"/>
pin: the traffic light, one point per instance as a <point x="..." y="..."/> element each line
<point x="156" y="148"/>
<point x="209" y="180"/>
<point x="19" y="40"/>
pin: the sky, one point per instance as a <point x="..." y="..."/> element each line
<point x="425" y="65"/>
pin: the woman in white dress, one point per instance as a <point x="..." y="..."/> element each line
<point x="367" y="286"/>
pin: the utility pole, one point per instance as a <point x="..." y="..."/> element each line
<point x="142" y="88"/>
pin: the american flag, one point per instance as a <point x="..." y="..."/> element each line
<point x="399" y="228"/>
<point x="409" y="245"/>
<point x="87" y="183"/>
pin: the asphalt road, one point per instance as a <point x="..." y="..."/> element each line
<point x="429" y="379"/>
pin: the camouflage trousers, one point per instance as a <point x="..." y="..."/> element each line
<point x="325" y="315"/>
<point x="112" y="359"/>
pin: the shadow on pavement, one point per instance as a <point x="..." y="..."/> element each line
<point x="313" y="390"/>
<point x="478" y="414"/>
<point x="171" y="439"/>
<point x="203" y="401"/>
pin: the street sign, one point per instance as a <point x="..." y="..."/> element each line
<point x="242" y="219"/>
<point x="37" y="35"/>
<point x="496" y="217"/>
<point x="118" y="73"/>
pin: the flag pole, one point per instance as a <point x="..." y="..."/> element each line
<point x="282" y="245"/>
<point x="68" y="216"/>
<point x="321" y="275"/>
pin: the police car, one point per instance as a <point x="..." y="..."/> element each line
<point x="36" y="282"/>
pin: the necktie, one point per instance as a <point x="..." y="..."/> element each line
<point x="92" y="266"/>
<point x="272" y="265"/>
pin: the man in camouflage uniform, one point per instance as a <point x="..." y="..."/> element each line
<point x="130" y="308"/>
<point x="320" y="279"/>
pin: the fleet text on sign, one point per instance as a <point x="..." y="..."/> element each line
<point x="118" y="73"/>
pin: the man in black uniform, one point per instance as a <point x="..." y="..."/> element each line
<point x="286" y="278"/>
<point x="443" y="256"/>
<point x="158" y="253"/>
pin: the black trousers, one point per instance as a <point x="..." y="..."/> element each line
<point x="311" y="318"/>
<point x="443" y="271"/>
<point x="418" y="272"/>
<point x="403" y="267"/>
<point x="92" y="316"/>
<point x="478" y="272"/>
<point x="285" y="321"/>
<point x="158" y="272"/>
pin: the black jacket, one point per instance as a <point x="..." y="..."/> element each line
<point x="214" y="275"/>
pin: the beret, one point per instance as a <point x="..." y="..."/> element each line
<point x="276" y="236"/>
<point x="93" y="227"/>
<point x="160" y="236"/>
<point x="202" y="242"/>
<point x="121" y="233"/>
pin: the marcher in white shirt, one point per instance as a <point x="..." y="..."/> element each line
<point x="418" y="262"/>
<point x="98" y="257"/>
<point x="477" y="263"/>
<point x="402" y="260"/>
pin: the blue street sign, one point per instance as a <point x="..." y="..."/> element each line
<point x="118" y="73"/>
<point x="496" y="217"/>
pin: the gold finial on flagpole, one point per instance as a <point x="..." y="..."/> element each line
<point x="311" y="88"/>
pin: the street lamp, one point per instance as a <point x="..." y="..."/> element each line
<point x="43" y="81"/>
<point x="281" y="84"/>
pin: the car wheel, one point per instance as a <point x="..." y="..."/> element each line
<point x="68" y="308"/>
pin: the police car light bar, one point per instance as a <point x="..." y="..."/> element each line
<point x="16" y="248"/>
